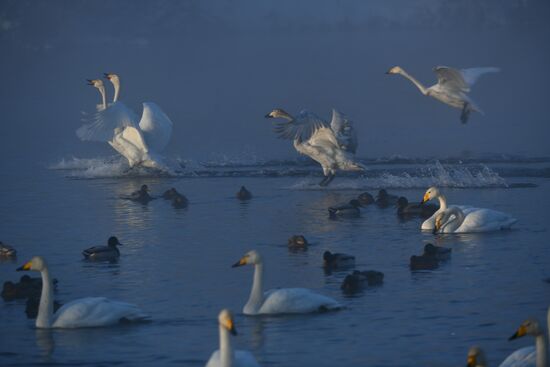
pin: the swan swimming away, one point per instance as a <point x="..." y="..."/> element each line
<point x="452" y="86"/>
<point x="280" y="301"/>
<point x="453" y="220"/>
<point x="83" y="312"/>
<point x="226" y="356"/>
<point x="332" y="146"/>
<point x="532" y="356"/>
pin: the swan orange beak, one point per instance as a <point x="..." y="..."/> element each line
<point x="230" y="325"/>
<point x="25" y="267"/>
<point x="241" y="262"/>
<point x="518" y="334"/>
<point x="471" y="361"/>
<point x="425" y="198"/>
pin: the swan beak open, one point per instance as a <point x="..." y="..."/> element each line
<point x="25" y="267"/>
<point x="518" y="334"/>
<point x="241" y="262"/>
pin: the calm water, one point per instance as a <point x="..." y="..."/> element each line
<point x="176" y="265"/>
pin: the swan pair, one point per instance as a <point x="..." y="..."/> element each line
<point x="532" y="356"/>
<point x="83" y="312"/>
<point x="463" y="219"/>
<point x="332" y="146"/>
<point x="452" y="86"/>
<point x="140" y="143"/>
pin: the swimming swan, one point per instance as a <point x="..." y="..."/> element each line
<point x="453" y="220"/>
<point x="332" y="146"/>
<point x="280" y="301"/>
<point x="434" y="193"/>
<point x="83" y="312"/>
<point x="226" y="356"/>
<point x="452" y="86"/>
<point x="535" y="356"/>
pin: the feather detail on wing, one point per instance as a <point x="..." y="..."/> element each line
<point x="461" y="80"/>
<point x="344" y="132"/>
<point x="156" y="126"/>
<point x="101" y="126"/>
<point x="302" y="127"/>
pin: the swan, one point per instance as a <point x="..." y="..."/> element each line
<point x="535" y="356"/>
<point x="434" y="193"/>
<point x="109" y="252"/>
<point x="453" y="220"/>
<point x="226" y="356"/>
<point x="83" y="312"/>
<point x="280" y="301"/>
<point x="452" y="86"/>
<point x="332" y="146"/>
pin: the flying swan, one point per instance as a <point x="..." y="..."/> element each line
<point x="452" y="86"/>
<point x="283" y="300"/>
<point x="332" y="146"/>
<point x="83" y="312"/>
<point x="226" y="356"/>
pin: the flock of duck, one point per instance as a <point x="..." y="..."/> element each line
<point x="100" y="311"/>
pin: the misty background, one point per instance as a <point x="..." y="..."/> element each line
<point x="217" y="67"/>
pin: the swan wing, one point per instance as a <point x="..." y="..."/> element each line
<point x="243" y="358"/>
<point x="156" y="126"/>
<point x="302" y="127"/>
<point x="96" y="311"/>
<point x="296" y="300"/>
<point x="429" y="224"/>
<point x="344" y="132"/>
<point x="101" y="125"/>
<point x="451" y="78"/>
<point x="134" y="136"/>
<point x="471" y="75"/>
<point x="523" y="357"/>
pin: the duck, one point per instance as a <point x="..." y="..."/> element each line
<point x="350" y="210"/>
<point x="170" y="194"/>
<point x="141" y="196"/>
<point x="337" y="260"/>
<point x="179" y="201"/>
<point x="244" y="194"/>
<point x="365" y="199"/>
<point x="84" y="312"/>
<point x="27" y="287"/>
<point x="454" y="220"/>
<point x="476" y="357"/>
<point x="532" y="356"/>
<point x="440" y="252"/>
<point x="109" y="252"/>
<point x="358" y="280"/>
<point x="7" y="251"/>
<point x="297" y="242"/>
<point x="423" y="262"/>
<point x="281" y="300"/>
<point x="383" y="199"/>
<point x="226" y="356"/>
<point x="406" y="209"/>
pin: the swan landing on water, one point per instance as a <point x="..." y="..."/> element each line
<point x="140" y="143"/>
<point x="452" y="86"/>
<point x="332" y="146"/>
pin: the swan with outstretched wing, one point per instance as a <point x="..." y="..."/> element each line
<point x="452" y="86"/>
<point x="332" y="145"/>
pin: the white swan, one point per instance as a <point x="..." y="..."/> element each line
<point x="226" y="356"/>
<point x="452" y="86"/>
<point x="453" y="220"/>
<point x="332" y="146"/>
<point x="434" y="193"/>
<point x="280" y="301"/>
<point x="532" y="356"/>
<point x="84" y="312"/>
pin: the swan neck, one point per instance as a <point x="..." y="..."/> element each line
<point x="45" y="308"/>
<point x="226" y="350"/>
<point x="542" y="352"/>
<point x="442" y="202"/>
<point x="103" y="96"/>
<point x="453" y="224"/>
<point x="256" y="294"/>
<point x="419" y="85"/>
<point x="116" y="84"/>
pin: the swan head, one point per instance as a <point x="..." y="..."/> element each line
<point x="476" y="357"/>
<point x="395" y="70"/>
<point x="250" y="258"/>
<point x="225" y="318"/>
<point x="278" y="113"/>
<point x="97" y="83"/>
<point x="113" y="78"/>
<point x="431" y="193"/>
<point x="37" y="263"/>
<point x="113" y="242"/>
<point x="528" y="327"/>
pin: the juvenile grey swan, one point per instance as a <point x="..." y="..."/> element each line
<point x="452" y="86"/>
<point x="332" y="145"/>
